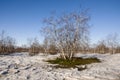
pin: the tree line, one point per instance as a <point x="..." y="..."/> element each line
<point x="109" y="45"/>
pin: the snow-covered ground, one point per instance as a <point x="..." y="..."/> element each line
<point x="20" y="66"/>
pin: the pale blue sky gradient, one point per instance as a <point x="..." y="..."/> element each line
<point x="22" y="19"/>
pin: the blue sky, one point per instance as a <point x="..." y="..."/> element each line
<point x="22" y="19"/>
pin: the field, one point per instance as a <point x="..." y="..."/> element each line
<point x="21" y="66"/>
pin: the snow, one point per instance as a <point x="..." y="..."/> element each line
<point x="21" y="66"/>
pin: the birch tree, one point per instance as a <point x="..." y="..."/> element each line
<point x="68" y="31"/>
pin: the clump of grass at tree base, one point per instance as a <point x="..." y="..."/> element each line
<point x="67" y="63"/>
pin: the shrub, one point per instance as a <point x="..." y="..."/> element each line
<point x="72" y="63"/>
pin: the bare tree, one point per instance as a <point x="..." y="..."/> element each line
<point x="2" y="42"/>
<point x="112" y="42"/>
<point x="68" y="32"/>
<point x="7" y="44"/>
<point x="118" y="49"/>
<point x="49" y="46"/>
<point x="10" y="44"/>
<point x="34" y="47"/>
<point x="45" y="45"/>
<point x="52" y="49"/>
<point x="101" y="47"/>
